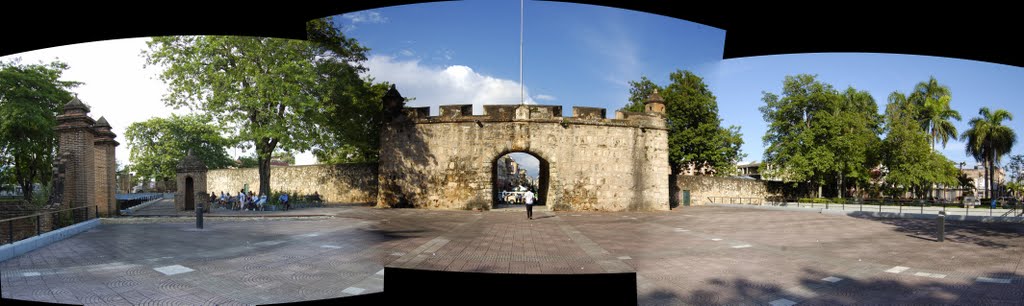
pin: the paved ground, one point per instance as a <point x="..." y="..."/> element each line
<point x="695" y="255"/>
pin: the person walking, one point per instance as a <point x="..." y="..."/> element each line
<point x="528" y="199"/>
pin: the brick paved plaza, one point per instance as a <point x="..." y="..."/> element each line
<point x="693" y="255"/>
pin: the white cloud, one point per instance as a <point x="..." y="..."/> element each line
<point x="365" y="17"/>
<point x="456" y="84"/>
<point x="406" y="52"/>
<point x="545" y="97"/>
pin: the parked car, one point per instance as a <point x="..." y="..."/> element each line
<point x="971" y="200"/>
<point x="1006" y="202"/>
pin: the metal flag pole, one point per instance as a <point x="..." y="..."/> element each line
<point x="522" y="97"/>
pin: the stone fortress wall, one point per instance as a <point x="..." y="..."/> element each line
<point x="346" y="183"/>
<point x="592" y="163"/>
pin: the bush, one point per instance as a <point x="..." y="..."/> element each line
<point x="839" y="200"/>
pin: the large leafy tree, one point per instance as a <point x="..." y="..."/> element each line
<point x="31" y="96"/>
<point x="796" y="140"/>
<point x="851" y="131"/>
<point x="695" y="133"/>
<point x="158" y="144"/>
<point x="267" y="89"/>
<point x="909" y="161"/>
<point x="350" y="121"/>
<point x="988" y="140"/>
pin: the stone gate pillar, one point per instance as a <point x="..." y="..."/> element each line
<point x="106" y="167"/>
<point x="192" y="171"/>
<point x="76" y="141"/>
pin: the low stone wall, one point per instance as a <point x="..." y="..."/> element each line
<point x="703" y="188"/>
<point x="346" y="183"/>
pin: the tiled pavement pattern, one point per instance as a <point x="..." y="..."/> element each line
<point x="759" y="258"/>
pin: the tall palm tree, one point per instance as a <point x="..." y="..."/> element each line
<point x="988" y="140"/>
<point x="930" y="89"/>
<point x="935" y="120"/>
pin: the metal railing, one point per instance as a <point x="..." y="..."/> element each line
<point x="736" y="200"/>
<point x="128" y="200"/>
<point x="1014" y="210"/>
<point x="24" y="227"/>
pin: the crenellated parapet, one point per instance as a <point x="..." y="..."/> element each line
<point x="535" y="114"/>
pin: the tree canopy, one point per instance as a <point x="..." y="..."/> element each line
<point x="695" y="135"/>
<point x="271" y="91"/>
<point x="31" y="97"/>
<point x="818" y="134"/>
<point x="157" y="145"/>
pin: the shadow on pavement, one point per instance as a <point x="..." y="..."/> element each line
<point x="992" y="235"/>
<point x="814" y="290"/>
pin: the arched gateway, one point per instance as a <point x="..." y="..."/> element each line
<point x="592" y="163"/>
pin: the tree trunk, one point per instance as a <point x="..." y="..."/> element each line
<point x="839" y="188"/>
<point x="819" y="190"/>
<point x="26" y="189"/>
<point x="264" y="175"/>
<point x="984" y="178"/>
<point x="264" y="150"/>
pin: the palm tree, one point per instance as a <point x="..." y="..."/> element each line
<point x="935" y="120"/>
<point x="988" y="140"/>
<point x="928" y="90"/>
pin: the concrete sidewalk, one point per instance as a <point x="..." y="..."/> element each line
<point x="691" y="255"/>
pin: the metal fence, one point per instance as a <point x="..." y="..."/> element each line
<point x="1009" y="210"/>
<point x="127" y="200"/>
<point x="21" y="228"/>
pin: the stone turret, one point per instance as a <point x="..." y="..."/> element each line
<point x="191" y="179"/>
<point x="655" y="104"/>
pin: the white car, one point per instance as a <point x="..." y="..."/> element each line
<point x="972" y="201"/>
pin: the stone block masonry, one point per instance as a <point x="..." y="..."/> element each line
<point x="592" y="163"/>
<point x="703" y="187"/>
<point x="346" y="183"/>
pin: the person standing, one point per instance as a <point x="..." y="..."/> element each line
<point x="528" y="198"/>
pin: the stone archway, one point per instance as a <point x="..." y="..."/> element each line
<point x="592" y="162"/>
<point x="542" y="184"/>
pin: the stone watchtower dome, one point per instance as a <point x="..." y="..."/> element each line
<point x="191" y="181"/>
<point x="655" y="104"/>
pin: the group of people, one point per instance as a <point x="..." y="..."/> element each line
<point x="246" y="201"/>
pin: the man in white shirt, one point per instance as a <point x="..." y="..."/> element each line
<point x="528" y="198"/>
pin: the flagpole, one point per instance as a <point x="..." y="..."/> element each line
<point x="522" y="97"/>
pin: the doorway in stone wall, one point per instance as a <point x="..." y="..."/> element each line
<point x="515" y="173"/>
<point x="190" y="194"/>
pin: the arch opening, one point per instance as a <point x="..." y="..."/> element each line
<point x="513" y="173"/>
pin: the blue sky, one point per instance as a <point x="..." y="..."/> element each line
<point x="574" y="54"/>
<point x="464" y="52"/>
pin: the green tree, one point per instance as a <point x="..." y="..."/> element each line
<point x="851" y="131"/>
<point x="695" y="134"/>
<point x="157" y="145"/>
<point x="265" y="88"/>
<point x="796" y="140"/>
<point x="284" y="157"/>
<point x="1016" y="168"/>
<point x="935" y="117"/>
<point x="639" y="91"/>
<point x="31" y="97"/>
<point x="248" y="161"/>
<point x="910" y="162"/>
<point x="350" y="121"/>
<point x="988" y="140"/>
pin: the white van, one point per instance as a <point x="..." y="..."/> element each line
<point x="972" y="201"/>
